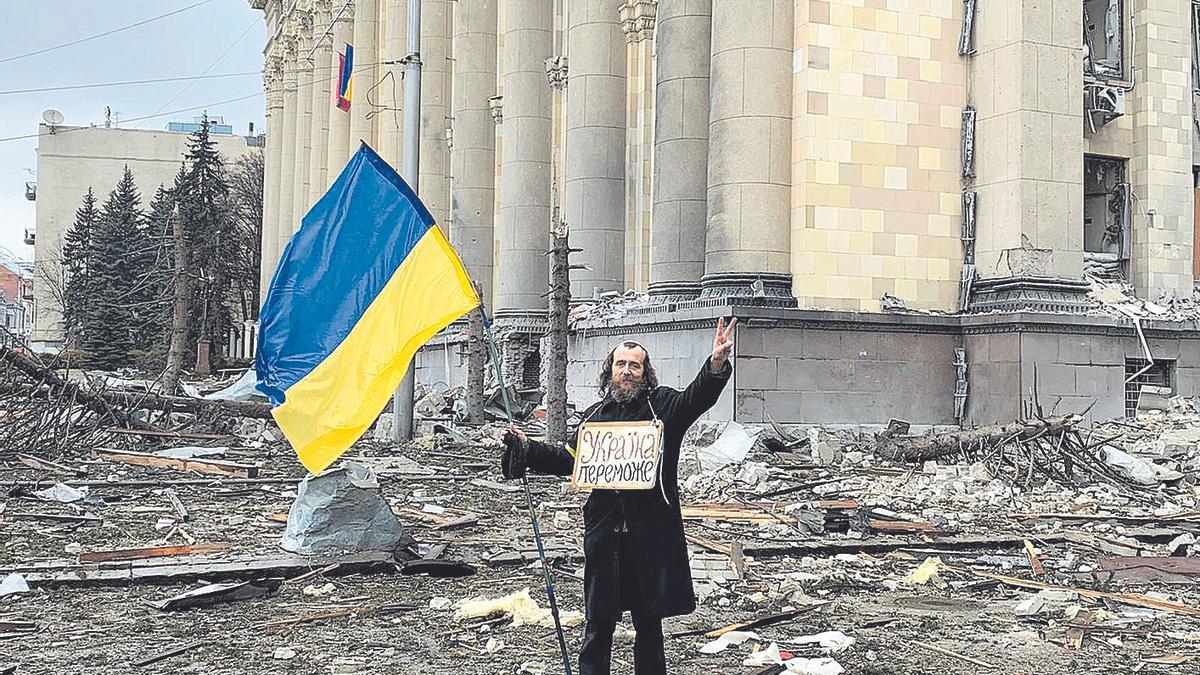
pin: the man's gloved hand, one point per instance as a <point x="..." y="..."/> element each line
<point x="515" y="459"/>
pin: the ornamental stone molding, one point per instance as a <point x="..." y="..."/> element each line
<point x="637" y="19"/>
<point x="556" y="72"/>
<point x="496" y="105"/>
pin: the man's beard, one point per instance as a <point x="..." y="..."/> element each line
<point x="622" y="394"/>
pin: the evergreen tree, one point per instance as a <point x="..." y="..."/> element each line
<point x="78" y="280"/>
<point x="202" y="192"/>
<point x="154" y="300"/>
<point x="117" y="270"/>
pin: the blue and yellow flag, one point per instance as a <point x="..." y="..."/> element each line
<point x="366" y="281"/>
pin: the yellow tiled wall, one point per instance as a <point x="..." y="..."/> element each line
<point x="878" y="93"/>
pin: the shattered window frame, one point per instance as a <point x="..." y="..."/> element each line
<point x="1139" y="372"/>
<point x="1108" y="68"/>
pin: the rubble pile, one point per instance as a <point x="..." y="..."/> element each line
<point x="812" y="551"/>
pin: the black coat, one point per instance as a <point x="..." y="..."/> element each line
<point x="655" y="527"/>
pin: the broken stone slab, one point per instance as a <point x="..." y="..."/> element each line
<point x="342" y="510"/>
<point x="825" y="447"/>
<point x="212" y="594"/>
<point x="730" y="447"/>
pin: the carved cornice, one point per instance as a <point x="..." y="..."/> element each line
<point x="637" y="19"/>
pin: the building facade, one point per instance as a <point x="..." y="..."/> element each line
<point x="72" y="159"/>
<point x="811" y="166"/>
<point x="16" y="301"/>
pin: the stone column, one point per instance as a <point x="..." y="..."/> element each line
<point x="390" y="131"/>
<point x="525" y="177"/>
<point x="1161" y="169"/>
<point x="304" y="102"/>
<point x="272" y="158"/>
<point x="362" y="127"/>
<point x="682" y="44"/>
<point x="748" y="239"/>
<point x="287" y="162"/>
<point x="637" y="22"/>
<point x="472" y="157"/>
<point x="339" y="120"/>
<point x="434" y="179"/>
<point x="594" y="175"/>
<point x="1027" y="88"/>
<point x="323" y="75"/>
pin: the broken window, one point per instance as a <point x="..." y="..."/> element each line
<point x="1141" y="373"/>
<point x="1103" y="30"/>
<point x="1107" y="241"/>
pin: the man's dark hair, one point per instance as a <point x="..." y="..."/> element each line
<point x="648" y="375"/>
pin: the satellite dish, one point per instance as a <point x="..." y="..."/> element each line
<point x="52" y="117"/>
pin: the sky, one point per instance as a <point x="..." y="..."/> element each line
<point x="217" y="36"/>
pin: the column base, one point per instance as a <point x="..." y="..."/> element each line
<point x="666" y="292"/>
<point x="1039" y="294"/>
<point x="748" y="289"/>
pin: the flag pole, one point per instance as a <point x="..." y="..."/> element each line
<point x="537" y="533"/>
<point x="402" y="403"/>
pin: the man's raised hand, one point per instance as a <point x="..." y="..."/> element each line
<point x="722" y="344"/>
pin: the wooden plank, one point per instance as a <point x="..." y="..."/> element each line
<point x="179" y="507"/>
<point x="709" y="544"/>
<point x="167" y="654"/>
<point x="157" y="571"/>
<point x="172" y="434"/>
<point x="210" y="466"/>
<point x="47" y="465"/>
<point x="1122" y="598"/>
<point x="903" y="526"/>
<point x="59" y="518"/>
<point x="152" y="552"/>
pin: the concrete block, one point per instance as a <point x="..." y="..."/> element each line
<point x="1074" y="349"/>
<point x="1053" y="379"/>
<point x="1108" y="351"/>
<point x="1100" y="381"/>
<point x="756" y="373"/>
<point x="786" y="406"/>
<point x="1004" y="348"/>
<point x="342" y="510"/>
<point x="814" y="375"/>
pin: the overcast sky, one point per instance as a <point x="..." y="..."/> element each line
<point x="182" y="45"/>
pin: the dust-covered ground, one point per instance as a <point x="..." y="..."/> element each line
<point x="854" y="581"/>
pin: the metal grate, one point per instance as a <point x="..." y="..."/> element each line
<point x="1158" y="375"/>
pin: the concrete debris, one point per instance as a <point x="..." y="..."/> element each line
<point x="13" y="583"/>
<point x="835" y="556"/>
<point x="730" y="447"/>
<point x="61" y="493"/>
<point x="341" y="510"/>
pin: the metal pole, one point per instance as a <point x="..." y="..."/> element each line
<point x="402" y="403"/>
<point x="537" y="533"/>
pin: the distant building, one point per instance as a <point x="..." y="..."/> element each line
<point x="16" y="301"/>
<point x="71" y="159"/>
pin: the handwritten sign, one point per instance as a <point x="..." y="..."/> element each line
<point x="617" y="456"/>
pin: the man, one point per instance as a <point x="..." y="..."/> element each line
<point x="635" y="555"/>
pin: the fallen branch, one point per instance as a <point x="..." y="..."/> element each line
<point x="947" y="652"/>
<point x="922" y="448"/>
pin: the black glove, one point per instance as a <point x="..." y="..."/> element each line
<point x="515" y="458"/>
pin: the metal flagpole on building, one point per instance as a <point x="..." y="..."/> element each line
<point x="402" y="403"/>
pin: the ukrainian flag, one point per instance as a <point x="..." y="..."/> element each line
<point x="366" y="281"/>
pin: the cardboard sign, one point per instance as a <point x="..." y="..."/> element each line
<point x="617" y="456"/>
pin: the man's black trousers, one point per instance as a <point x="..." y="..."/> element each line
<point x="595" y="656"/>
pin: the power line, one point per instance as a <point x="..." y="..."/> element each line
<point x="310" y="83"/>
<point x="212" y="65"/>
<point x="126" y="83"/>
<point x="104" y="34"/>
<point x="143" y="117"/>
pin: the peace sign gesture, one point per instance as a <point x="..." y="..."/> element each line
<point x="722" y="344"/>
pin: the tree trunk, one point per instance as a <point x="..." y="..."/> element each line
<point x="560" y="302"/>
<point x="922" y="448"/>
<point x="181" y="306"/>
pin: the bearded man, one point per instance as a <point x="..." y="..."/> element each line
<point x="635" y="554"/>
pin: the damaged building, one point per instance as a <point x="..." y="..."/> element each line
<point x="916" y="210"/>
